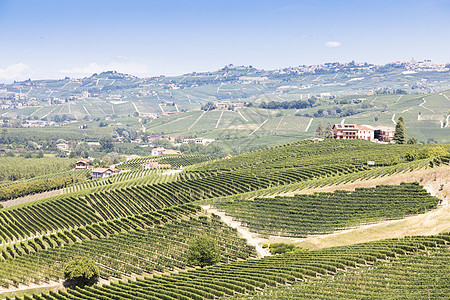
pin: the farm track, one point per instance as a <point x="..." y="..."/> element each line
<point x="251" y="238"/>
<point x="30" y="198"/>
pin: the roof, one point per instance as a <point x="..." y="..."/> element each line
<point x="158" y="149"/>
<point x="365" y="127"/>
<point x="150" y="163"/>
<point x="103" y="170"/>
<point x="84" y="160"/>
<point x="345" y="126"/>
<point x="169" y="151"/>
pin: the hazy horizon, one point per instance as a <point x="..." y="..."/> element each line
<point x="53" y="39"/>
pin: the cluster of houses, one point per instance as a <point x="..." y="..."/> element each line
<point x="365" y="132"/>
<point x="163" y="151"/>
<point x="97" y="173"/>
<point x="228" y="105"/>
<point x="180" y="139"/>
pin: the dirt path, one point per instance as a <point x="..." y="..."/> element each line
<point x="431" y="179"/>
<point x="251" y="238"/>
<point x="309" y="124"/>
<point x="33" y="197"/>
<point x="32" y="288"/>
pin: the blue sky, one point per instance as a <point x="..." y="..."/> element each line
<point x="52" y="39"/>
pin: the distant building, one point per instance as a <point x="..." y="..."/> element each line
<point x="366" y="132"/>
<point x="162" y="151"/>
<point x="228" y="104"/>
<point x="155" y="165"/>
<point x="158" y="151"/>
<point x="203" y="141"/>
<point x="104" y="172"/>
<point x="384" y="134"/>
<point x="82" y="164"/>
<point x="363" y="132"/>
<point x="345" y="131"/>
<point x="170" y="151"/>
<point x="62" y="146"/>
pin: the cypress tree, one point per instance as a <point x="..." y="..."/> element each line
<point x="319" y="130"/>
<point x="329" y="131"/>
<point x="400" y="131"/>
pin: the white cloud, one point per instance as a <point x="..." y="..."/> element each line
<point x="333" y="44"/>
<point x="14" y="72"/>
<point x="128" y="68"/>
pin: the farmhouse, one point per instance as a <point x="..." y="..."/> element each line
<point x="228" y="104"/>
<point x="104" y="172"/>
<point x="158" y="151"/>
<point x="170" y="151"/>
<point x="345" y="131"/>
<point x="82" y="164"/>
<point x="62" y="146"/>
<point x="384" y="133"/>
<point x="154" y="165"/>
<point x="162" y="151"/>
<point x="364" y="132"/>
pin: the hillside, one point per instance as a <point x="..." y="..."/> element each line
<point x="140" y="223"/>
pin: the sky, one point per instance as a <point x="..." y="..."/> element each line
<point x="51" y="39"/>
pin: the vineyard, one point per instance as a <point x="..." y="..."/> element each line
<point x="140" y="222"/>
<point x="174" y="160"/>
<point x="421" y="276"/>
<point x="43" y="217"/>
<point x="321" y="213"/>
<point x="151" y="242"/>
<point x="292" y="269"/>
<point x="40" y="184"/>
<point x="356" y="152"/>
<point x="16" y="168"/>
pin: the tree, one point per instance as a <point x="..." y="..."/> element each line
<point x="106" y="144"/>
<point x="400" y="132"/>
<point x="203" y="251"/>
<point x="208" y="106"/>
<point x="329" y="131"/>
<point x="412" y="141"/>
<point x="81" y="271"/>
<point x="319" y="129"/>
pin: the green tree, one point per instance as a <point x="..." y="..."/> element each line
<point x="329" y="131"/>
<point x="81" y="271"/>
<point x="203" y="251"/>
<point x="412" y="141"/>
<point x="319" y="129"/>
<point x="106" y="144"/>
<point x="400" y="131"/>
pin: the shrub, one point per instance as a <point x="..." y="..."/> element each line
<point x="203" y="251"/>
<point x="81" y="271"/>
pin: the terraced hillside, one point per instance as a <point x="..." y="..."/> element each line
<point x="226" y="280"/>
<point x="321" y="213"/>
<point x="424" y="275"/>
<point x="142" y="223"/>
<point x="153" y="242"/>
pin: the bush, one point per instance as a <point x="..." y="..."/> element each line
<point x="281" y="248"/>
<point x="203" y="251"/>
<point x="81" y="271"/>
